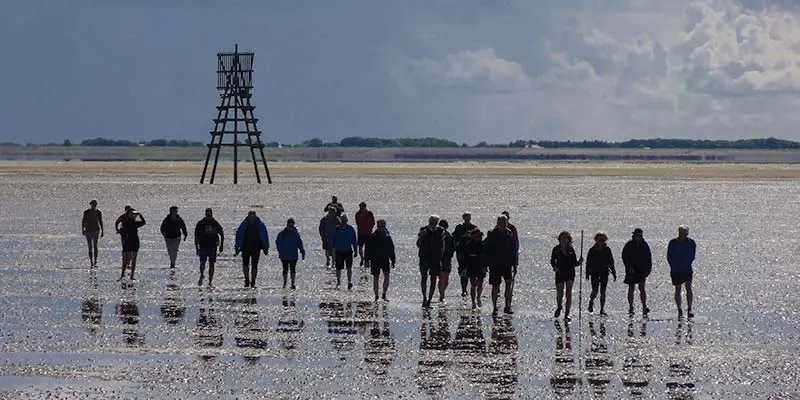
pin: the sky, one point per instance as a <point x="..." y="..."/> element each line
<point x="465" y="70"/>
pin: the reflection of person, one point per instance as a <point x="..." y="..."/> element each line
<point x="599" y="365"/>
<point x="563" y="260"/>
<point x="289" y="324"/>
<point x="171" y="229"/>
<point x="503" y="350"/>
<point x="251" y="239"/>
<point x="129" y="231"/>
<point x="127" y="311"/>
<point x="207" y="236"/>
<point x="638" y="262"/>
<point x="380" y="347"/>
<point x="207" y="334"/>
<point x="564" y="378"/>
<point x="380" y="257"/>
<point x="92" y="228"/>
<point x="599" y="263"/>
<point x="289" y="243"/>
<point x="172" y="309"/>
<point x="681" y="252"/>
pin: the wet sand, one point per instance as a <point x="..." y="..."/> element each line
<point x="225" y="169"/>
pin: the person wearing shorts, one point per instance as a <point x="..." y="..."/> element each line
<point x="252" y="238"/>
<point x="638" y="261"/>
<point x="501" y="249"/>
<point x="289" y="243"/>
<point x="473" y="257"/>
<point x="129" y="233"/>
<point x="171" y="229"/>
<point x="345" y="246"/>
<point x="379" y="251"/>
<point x="681" y="253"/>
<point x="208" y="236"/>
<point x="92" y="229"/>
<point x="461" y="235"/>
<point x="599" y="263"/>
<point x="563" y="260"/>
<point x="430" y="242"/>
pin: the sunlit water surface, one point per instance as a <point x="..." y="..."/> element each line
<point x="70" y="332"/>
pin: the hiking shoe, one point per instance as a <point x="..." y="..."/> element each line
<point x="293" y="287"/>
<point x="478" y="300"/>
<point x="690" y="314"/>
<point x="567" y="318"/>
<point x="507" y="310"/>
<point x="384" y="297"/>
<point x="591" y="306"/>
<point x="630" y="311"/>
<point x="603" y="313"/>
<point x="645" y="312"/>
<point x="200" y="281"/>
<point x="557" y="313"/>
<point x="494" y="312"/>
<point x="349" y="285"/>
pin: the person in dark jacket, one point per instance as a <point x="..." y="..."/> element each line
<point x="473" y="256"/>
<point x="638" y="261"/>
<point x="379" y="252"/>
<point x="251" y="239"/>
<point x="599" y="263"/>
<point x="171" y="229"/>
<point x="563" y="260"/>
<point x="681" y="252"/>
<point x="129" y="231"/>
<point x="430" y="242"/>
<point x="208" y="235"/>
<point x="345" y="247"/>
<point x="327" y="229"/>
<point x="448" y="250"/>
<point x="461" y="235"/>
<point x="501" y="250"/>
<point x="289" y="243"/>
<point x="334" y="205"/>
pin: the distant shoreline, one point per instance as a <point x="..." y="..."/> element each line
<point x="364" y="154"/>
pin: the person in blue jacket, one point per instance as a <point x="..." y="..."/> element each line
<point x="681" y="252"/>
<point x="288" y="244"/>
<point x="345" y="247"/>
<point x="251" y="239"/>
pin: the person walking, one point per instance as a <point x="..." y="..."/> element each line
<point x="327" y="229"/>
<point x="365" y="223"/>
<point x="345" y="245"/>
<point x="563" y="260"/>
<point x="599" y="263"/>
<point x="92" y="229"/>
<point x="129" y="233"/>
<point x="252" y="238"/>
<point x="448" y="250"/>
<point x="208" y="236"/>
<point x="473" y="256"/>
<point x="501" y="250"/>
<point x="430" y="242"/>
<point x="512" y="228"/>
<point x="289" y="243"/>
<point x="681" y="253"/>
<point x="379" y="251"/>
<point x="638" y="261"/>
<point x="461" y="235"/>
<point x="171" y="229"/>
<point x="334" y="205"/>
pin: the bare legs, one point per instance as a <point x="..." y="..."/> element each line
<point x="375" y="284"/>
<point x="475" y="291"/>
<point x="444" y="281"/>
<point x="91" y="243"/>
<point x="203" y="272"/>
<point x="689" y="299"/>
<point x="560" y="292"/>
<point x="642" y="297"/>
<point x="128" y="259"/>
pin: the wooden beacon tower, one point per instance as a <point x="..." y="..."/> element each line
<point x="235" y="118"/>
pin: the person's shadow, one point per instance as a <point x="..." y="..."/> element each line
<point x="503" y="352"/>
<point x="563" y="375"/>
<point x="92" y="305"/>
<point x="680" y="383"/>
<point x="127" y="310"/>
<point x="172" y="308"/>
<point x="598" y="363"/>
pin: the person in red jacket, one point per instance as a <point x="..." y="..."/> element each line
<point x="365" y="222"/>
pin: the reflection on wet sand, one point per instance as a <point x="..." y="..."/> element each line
<point x="127" y="311"/>
<point x="503" y="359"/>
<point x="207" y="333"/>
<point x="172" y="309"/>
<point x="636" y="368"/>
<point x="598" y="363"/>
<point x="470" y="356"/>
<point x="290" y="325"/>
<point x="434" y="343"/>
<point x="92" y="306"/>
<point x="564" y="376"/>
<point x="680" y="383"/>
<point x="250" y="334"/>
<point x="345" y="321"/>
<point x="379" y="346"/>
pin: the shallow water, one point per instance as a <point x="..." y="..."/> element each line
<point x="70" y="332"/>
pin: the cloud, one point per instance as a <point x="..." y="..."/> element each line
<point x="478" y="71"/>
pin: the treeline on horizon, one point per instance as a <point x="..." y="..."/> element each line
<point x="430" y="142"/>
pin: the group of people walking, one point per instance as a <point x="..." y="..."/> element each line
<point x="496" y="256"/>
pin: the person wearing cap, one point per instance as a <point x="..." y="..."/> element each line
<point x="345" y="246"/>
<point x="129" y="233"/>
<point x="208" y="236"/>
<point x="681" y="253"/>
<point x="365" y="222"/>
<point x="638" y="261"/>
<point x="379" y="251"/>
<point x="251" y="239"/>
<point x="502" y="257"/>
<point x="448" y="250"/>
<point x="461" y="235"/>
<point x="171" y="229"/>
<point x="334" y="205"/>
<point x="327" y="229"/>
<point x="92" y="229"/>
<point x="430" y="242"/>
<point x="599" y="263"/>
<point x="473" y="256"/>
<point x="289" y="243"/>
